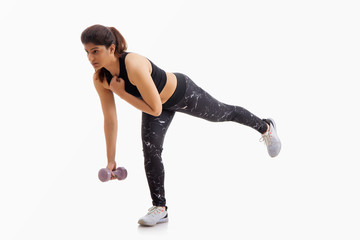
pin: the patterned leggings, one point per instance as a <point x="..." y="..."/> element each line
<point x="195" y="102"/>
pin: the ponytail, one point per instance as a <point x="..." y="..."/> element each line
<point x="120" y="43"/>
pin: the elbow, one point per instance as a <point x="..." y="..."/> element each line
<point x="157" y="112"/>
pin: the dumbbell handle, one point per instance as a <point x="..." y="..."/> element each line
<point x="105" y="174"/>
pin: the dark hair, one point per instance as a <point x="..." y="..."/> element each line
<point x="101" y="35"/>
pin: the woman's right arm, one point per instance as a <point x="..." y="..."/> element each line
<point x="110" y="121"/>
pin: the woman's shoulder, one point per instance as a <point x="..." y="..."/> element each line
<point x="135" y="60"/>
<point x="132" y="56"/>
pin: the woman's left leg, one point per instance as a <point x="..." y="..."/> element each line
<point x="153" y="132"/>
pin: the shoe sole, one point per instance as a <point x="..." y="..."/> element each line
<point x="163" y="220"/>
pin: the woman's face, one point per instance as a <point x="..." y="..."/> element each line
<point x="98" y="55"/>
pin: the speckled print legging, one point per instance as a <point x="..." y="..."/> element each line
<point x="195" y="102"/>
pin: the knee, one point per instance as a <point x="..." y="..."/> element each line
<point x="151" y="150"/>
<point x="152" y="159"/>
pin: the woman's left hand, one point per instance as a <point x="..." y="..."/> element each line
<point x="117" y="85"/>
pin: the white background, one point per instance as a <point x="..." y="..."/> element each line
<point x="294" y="61"/>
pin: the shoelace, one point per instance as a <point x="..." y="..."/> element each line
<point x="152" y="210"/>
<point x="266" y="138"/>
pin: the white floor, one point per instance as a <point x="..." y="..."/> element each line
<point x="214" y="189"/>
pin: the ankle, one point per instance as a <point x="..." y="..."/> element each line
<point x="267" y="130"/>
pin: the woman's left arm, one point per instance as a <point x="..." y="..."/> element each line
<point x="140" y="104"/>
<point x="138" y="71"/>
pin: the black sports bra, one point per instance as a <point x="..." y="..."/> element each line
<point x="158" y="75"/>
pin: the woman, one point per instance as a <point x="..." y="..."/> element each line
<point x="158" y="94"/>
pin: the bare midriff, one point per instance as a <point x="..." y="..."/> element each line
<point x="169" y="87"/>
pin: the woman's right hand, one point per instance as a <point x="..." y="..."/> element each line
<point x="112" y="167"/>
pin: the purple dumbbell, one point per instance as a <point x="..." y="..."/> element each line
<point x="105" y="174"/>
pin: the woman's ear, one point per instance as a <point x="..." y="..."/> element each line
<point x="112" y="48"/>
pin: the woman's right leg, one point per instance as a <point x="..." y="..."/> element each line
<point x="199" y="103"/>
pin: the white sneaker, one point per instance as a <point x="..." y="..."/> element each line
<point x="154" y="216"/>
<point x="271" y="139"/>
